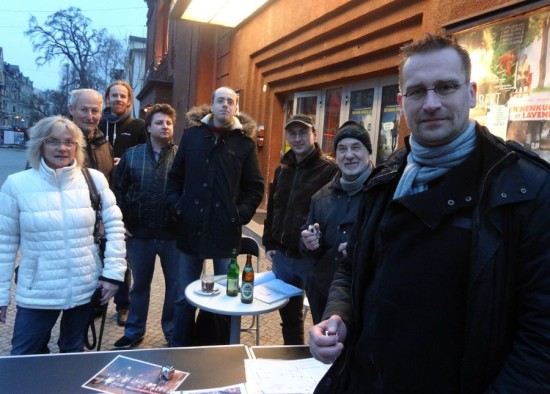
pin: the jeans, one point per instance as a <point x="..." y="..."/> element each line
<point x="33" y="327"/>
<point x="143" y="252"/>
<point x="122" y="296"/>
<point x="294" y="271"/>
<point x="190" y="269"/>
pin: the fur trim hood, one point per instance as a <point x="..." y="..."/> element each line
<point x="244" y="122"/>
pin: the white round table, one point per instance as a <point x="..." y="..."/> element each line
<point x="232" y="306"/>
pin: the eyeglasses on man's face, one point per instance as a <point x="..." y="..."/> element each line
<point x="55" y="143"/>
<point x="441" y="89"/>
<point x="297" y="134"/>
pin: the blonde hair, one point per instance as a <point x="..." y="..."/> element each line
<point x="43" y="129"/>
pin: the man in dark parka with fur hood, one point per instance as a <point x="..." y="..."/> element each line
<point x="214" y="188"/>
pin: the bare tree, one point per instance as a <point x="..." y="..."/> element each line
<point x="90" y="53"/>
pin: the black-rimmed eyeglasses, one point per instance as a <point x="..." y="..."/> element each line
<point x="442" y="89"/>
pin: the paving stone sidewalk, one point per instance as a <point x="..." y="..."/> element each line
<point x="270" y="330"/>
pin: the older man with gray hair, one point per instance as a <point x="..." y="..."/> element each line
<point x="333" y="211"/>
<point x="85" y="109"/>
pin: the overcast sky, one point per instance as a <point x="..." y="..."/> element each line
<point x="120" y="17"/>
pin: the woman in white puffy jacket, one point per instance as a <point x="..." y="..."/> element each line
<point x="46" y="213"/>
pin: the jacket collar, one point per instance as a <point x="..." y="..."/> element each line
<point x="59" y="176"/>
<point x="495" y="155"/>
<point x="247" y="125"/>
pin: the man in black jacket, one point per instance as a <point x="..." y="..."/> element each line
<point x="140" y="189"/>
<point x="123" y="131"/>
<point x="446" y="288"/>
<point x="214" y="188"/>
<point x="304" y="169"/>
<point x="333" y="211"/>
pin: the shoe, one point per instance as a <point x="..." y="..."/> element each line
<point x="127" y="343"/>
<point x="122" y="316"/>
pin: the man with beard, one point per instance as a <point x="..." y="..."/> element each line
<point x="123" y="131"/>
<point x="214" y="188"/>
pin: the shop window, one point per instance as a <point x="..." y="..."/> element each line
<point x="510" y="65"/>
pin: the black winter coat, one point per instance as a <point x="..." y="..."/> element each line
<point x="507" y="338"/>
<point x="336" y="212"/>
<point x="290" y="195"/>
<point x="140" y="189"/>
<point x="214" y="186"/>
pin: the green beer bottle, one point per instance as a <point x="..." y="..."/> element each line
<point x="233" y="275"/>
<point x="247" y="283"/>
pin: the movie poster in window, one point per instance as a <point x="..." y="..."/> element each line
<point x="511" y="66"/>
<point x="389" y="127"/>
<point x="360" y="109"/>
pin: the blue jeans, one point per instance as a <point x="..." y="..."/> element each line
<point x="33" y="327"/>
<point x="142" y="253"/>
<point x="190" y="269"/>
<point x="296" y="272"/>
<point x="122" y="296"/>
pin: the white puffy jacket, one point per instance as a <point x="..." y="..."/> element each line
<point x="48" y="215"/>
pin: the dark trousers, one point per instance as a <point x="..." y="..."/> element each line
<point x="33" y="327"/>
<point x="190" y="268"/>
<point x="122" y="296"/>
<point x="296" y="272"/>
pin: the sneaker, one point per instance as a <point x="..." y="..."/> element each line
<point x="127" y="343"/>
<point x="122" y="316"/>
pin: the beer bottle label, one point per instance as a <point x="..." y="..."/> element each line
<point x="247" y="290"/>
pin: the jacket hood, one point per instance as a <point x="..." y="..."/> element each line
<point x="243" y="121"/>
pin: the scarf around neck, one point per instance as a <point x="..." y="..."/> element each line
<point x="425" y="164"/>
<point x="355" y="186"/>
<point x="209" y="121"/>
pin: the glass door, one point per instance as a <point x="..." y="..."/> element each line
<point x="306" y="103"/>
<point x="331" y="120"/>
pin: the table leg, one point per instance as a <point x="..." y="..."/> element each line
<point x="235" y="333"/>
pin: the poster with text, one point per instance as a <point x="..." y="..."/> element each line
<point x="511" y="66"/>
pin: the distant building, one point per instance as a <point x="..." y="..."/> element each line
<point x="16" y="92"/>
<point x="136" y="67"/>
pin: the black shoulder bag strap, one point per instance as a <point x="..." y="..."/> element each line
<point x="96" y="308"/>
<point x="97" y="206"/>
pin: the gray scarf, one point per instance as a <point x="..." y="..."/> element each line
<point x="424" y="164"/>
<point x="355" y="186"/>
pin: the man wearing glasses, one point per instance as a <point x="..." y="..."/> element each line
<point x="304" y="169"/>
<point x="446" y="288"/>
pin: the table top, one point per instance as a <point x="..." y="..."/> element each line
<point x="289" y="352"/>
<point x="225" y="305"/>
<point x="66" y="373"/>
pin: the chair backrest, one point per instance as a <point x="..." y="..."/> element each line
<point x="250" y="246"/>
